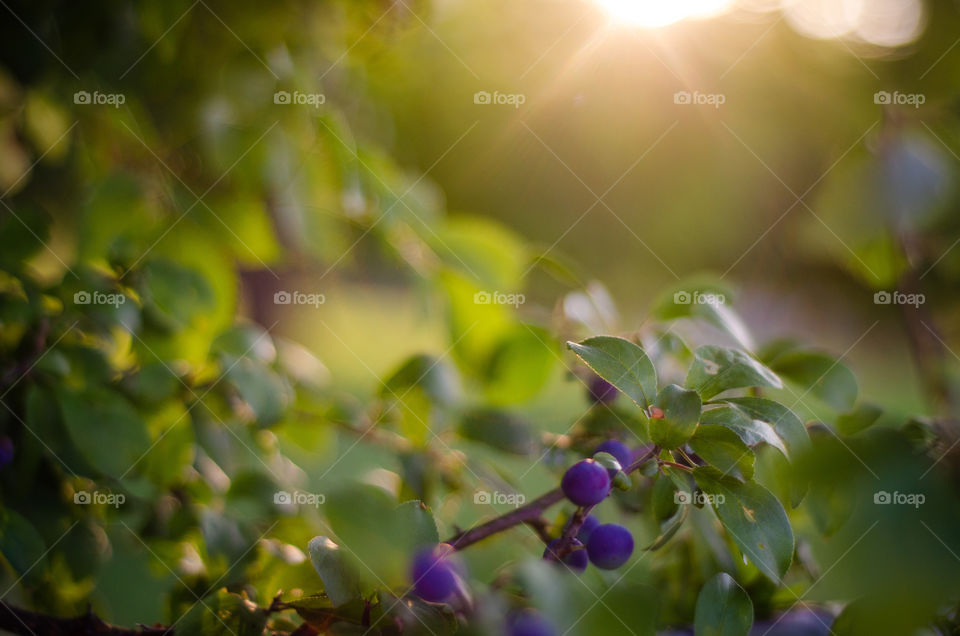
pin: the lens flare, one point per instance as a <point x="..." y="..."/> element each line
<point x="657" y="13"/>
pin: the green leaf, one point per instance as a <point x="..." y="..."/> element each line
<point x="751" y="431"/>
<point x="224" y="614"/>
<point x="339" y="580"/>
<point x="704" y="301"/>
<point x="670" y="526"/>
<point x="22" y="546"/>
<point x="681" y="412"/>
<point x="520" y="365"/>
<point x="367" y="521"/>
<point x="499" y="430"/>
<point x="622" y="364"/>
<point x="755" y="520"/>
<point x="860" y="418"/>
<point x="819" y="374"/>
<point x="724" y="450"/>
<point x="723" y="608"/>
<point x="109" y="433"/>
<point x="718" y="369"/>
<point x="266" y="393"/>
<point x="786" y="425"/>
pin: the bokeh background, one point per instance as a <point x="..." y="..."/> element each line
<point x="348" y="149"/>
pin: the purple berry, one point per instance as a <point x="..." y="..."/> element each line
<point x="530" y="624"/>
<point x="586" y="483"/>
<point x="610" y="546"/>
<point x="6" y="451"/>
<point x="618" y="449"/>
<point x="576" y="560"/>
<point x="434" y="576"/>
<point x="601" y="391"/>
<point x="586" y="528"/>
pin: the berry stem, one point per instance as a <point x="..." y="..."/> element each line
<point x="532" y="512"/>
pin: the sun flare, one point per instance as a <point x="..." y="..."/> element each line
<point x="657" y="13"/>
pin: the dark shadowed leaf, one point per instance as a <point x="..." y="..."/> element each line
<point x="723" y="608"/>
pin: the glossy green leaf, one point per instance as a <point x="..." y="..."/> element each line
<point x="723" y="608"/>
<point x="681" y="412"/>
<point x="621" y="363"/>
<point x="723" y="449"/>
<point x="755" y="520"/>
<point x="718" y="369"/>
<point x="340" y="582"/>
<point x="786" y="425"/>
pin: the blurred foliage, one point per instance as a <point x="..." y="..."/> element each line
<point x="169" y="453"/>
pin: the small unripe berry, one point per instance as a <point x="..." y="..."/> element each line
<point x="618" y="449"/>
<point x="586" y="483"/>
<point x="434" y="577"/>
<point x="600" y="391"/>
<point x="530" y="624"/>
<point x="610" y="546"/>
<point x="576" y="560"/>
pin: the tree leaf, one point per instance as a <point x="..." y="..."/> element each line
<point x="21" y="545"/>
<point x="106" y="429"/>
<point x="718" y="369"/>
<point x="500" y="430"/>
<point x="860" y="418"/>
<point x="786" y="425"/>
<point x="622" y="364"/>
<point x="819" y="374"/>
<point x="670" y="526"/>
<point x="224" y="614"/>
<point x="723" y="608"/>
<point x="681" y="412"/>
<point x="339" y="580"/>
<point x="723" y="449"/>
<point x="755" y="520"/>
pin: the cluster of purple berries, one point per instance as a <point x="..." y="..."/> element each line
<point x="587" y="483"/>
<point x="438" y="576"/>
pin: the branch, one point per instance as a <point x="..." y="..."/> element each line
<point x="26" y="623"/>
<point x="531" y="512"/>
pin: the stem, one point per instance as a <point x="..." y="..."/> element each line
<point x="524" y="514"/>
<point x="532" y="512"/>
